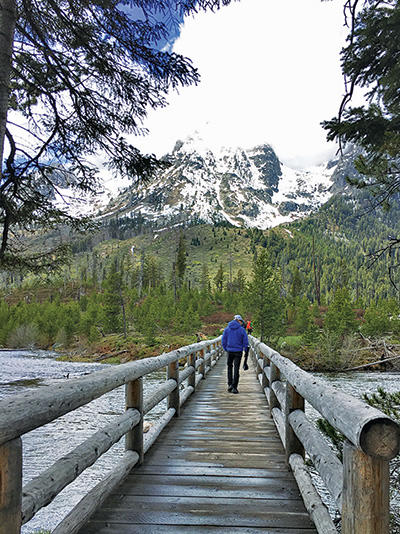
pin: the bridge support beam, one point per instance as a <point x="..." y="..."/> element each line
<point x="365" y="499"/>
<point x="10" y="486"/>
<point x="134" y="399"/>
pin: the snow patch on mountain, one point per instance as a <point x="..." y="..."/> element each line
<point x="301" y="186"/>
<point x="247" y="187"/>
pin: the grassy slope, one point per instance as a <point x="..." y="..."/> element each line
<point x="229" y="246"/>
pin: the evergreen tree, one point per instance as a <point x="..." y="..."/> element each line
<point x="55" y="55"/>
<point x="376" y="322"/>
<point x="340" y="317"/>
<point x="304" y="316"/>
<point x="92" y="317"/>
<point x="219" y="278"/>
<point x="49" y="320"/>
<point x="343" y="274"/>
<point x="181" y="259"/>
<point x="296" y="286"/>
<point x="370" y="61"/>
<point x="305" y="323"/>
<point x="205" y="279"/>
<point x="239" y="282"/>
<point x="267" y="305"/>
<point x="69" y="323"/>
<point x="113" y="301"/>
<point x="152" y="272"/>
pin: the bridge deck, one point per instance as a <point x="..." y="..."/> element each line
<point x="217" y="468"/>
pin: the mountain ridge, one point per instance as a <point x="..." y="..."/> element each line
<point x="245" y="187"/>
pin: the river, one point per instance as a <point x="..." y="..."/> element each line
<point x="22" y="370"/>
<point x="355" y="383"/>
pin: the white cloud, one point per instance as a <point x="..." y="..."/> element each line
<point x="270" y="73"/>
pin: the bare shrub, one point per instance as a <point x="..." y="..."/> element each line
<point x="24" y="336"/>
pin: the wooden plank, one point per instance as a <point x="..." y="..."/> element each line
<point x="264" y="437"/>
<point x="220" y="466"/>
<point x="222" y="459"/>
<point x="132" y="528"/>
<point x="203" y="516"/>
<point x="182" y="504"/>
<point x="203" y="486"/>
<point x="243" y="447"/>
<point x="156" y="469"/>
<point x="229" y="491"/>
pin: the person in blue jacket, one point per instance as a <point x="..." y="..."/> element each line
<point x="234" y="342"/>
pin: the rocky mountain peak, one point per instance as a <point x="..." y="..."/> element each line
<point x="247" y="187"/>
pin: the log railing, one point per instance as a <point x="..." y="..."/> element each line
<point x="20" y="414"/>
<point x="360" y="485"/>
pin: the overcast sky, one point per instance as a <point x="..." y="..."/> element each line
<point x="270" y="73"/>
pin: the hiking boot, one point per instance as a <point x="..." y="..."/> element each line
<point x="234" y="390"/>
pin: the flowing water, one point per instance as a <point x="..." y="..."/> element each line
<point x="356" y="384"/>
<point x="23" y="370"/>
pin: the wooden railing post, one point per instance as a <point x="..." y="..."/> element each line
<point x="173" y="397"/>
<point x="275" y="374"/>
<point x="134" y="399"/>
<point x="216" y="352"/>
<point x="294" y="401"/>
<point x="202" y="366"/>
<point x="264" y="378"/>
<point x="10" y="486"/>
<point x="253" y="355"/>
<point x="365" y="499"/>
<point x="258" y="368"/>
<point x="192" y="363"/>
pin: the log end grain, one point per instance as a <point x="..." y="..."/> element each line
<point x="380" y="438"/>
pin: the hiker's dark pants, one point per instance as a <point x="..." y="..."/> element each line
<point x="233" y="363"/>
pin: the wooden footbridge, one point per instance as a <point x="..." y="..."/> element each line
<point x="214" y="462"/>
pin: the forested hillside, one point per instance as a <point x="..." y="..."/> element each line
<point x="148" y="287"/>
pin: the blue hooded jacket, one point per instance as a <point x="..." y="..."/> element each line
<point x="234" y="338"/>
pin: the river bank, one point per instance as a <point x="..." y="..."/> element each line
<point x="116" y="348"/>
<point x="329" y="354"/>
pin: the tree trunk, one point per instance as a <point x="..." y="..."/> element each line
<point x="8" y="15"/>
<point x="123" y="310"/>
<point x="316" y="276"/>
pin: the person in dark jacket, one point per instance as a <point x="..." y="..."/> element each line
<point x="234" y="342"/>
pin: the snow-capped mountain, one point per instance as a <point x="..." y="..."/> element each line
<point x="245" y="187"/>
